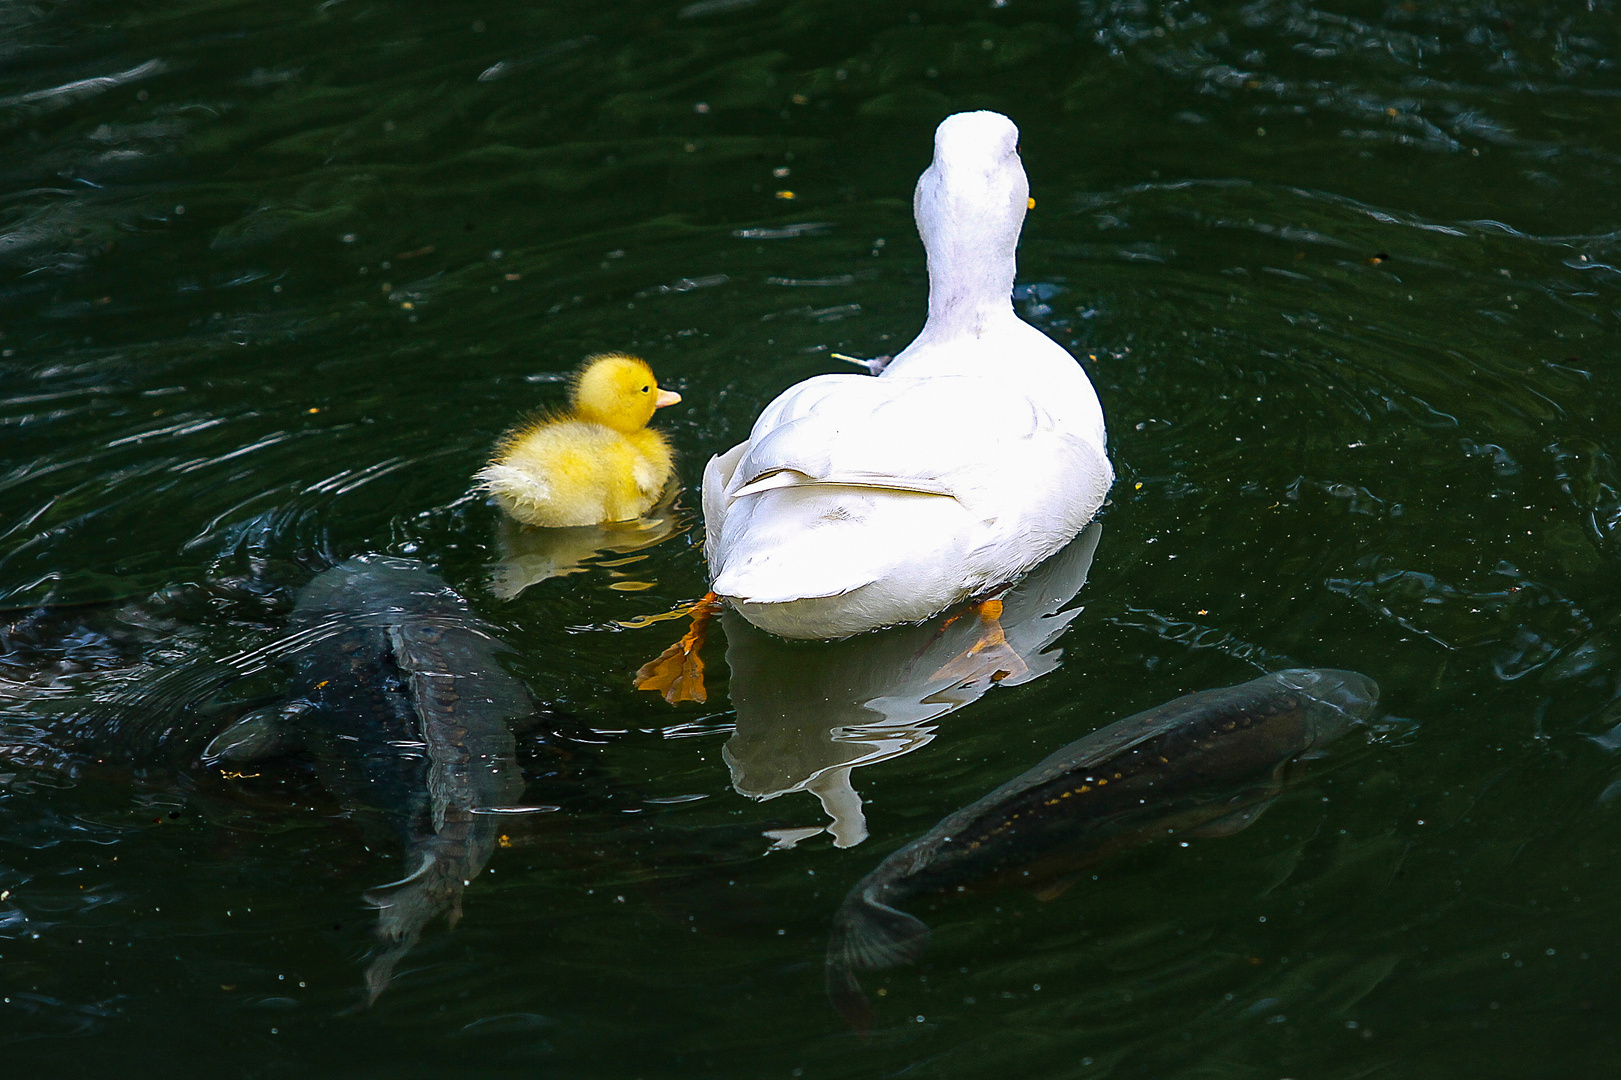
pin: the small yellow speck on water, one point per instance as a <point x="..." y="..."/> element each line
<point x="1203" y="611"/>
<point x="1390" y="112"/>
<point x="882" y="992"/>
<point x="315" y="410"/>
<point x="785" y="195"/>
<point x="5" y="894"/>
<point x="513" y="277"/>
<point x="322" y="683"/>
<point x="1030" y="203"/>
<point x="631" y="586"/>
<point x="1138" y="487"/>
<point x="408" y="305"/>
<point x="800" y="99"/>
<point x="1091" y="356"/>
<point x="504" y="840"/>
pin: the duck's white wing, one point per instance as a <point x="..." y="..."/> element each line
<point x="850" y="480"/>
<point x="930" y="436"/>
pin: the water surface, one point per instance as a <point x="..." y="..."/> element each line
<point x="274" y="276"/>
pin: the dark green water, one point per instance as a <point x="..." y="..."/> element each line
<point x="274" y="276"/>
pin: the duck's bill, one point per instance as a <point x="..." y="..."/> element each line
<point x="666" y="397"/>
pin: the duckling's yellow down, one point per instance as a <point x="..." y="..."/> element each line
<point x="597" y="462"/>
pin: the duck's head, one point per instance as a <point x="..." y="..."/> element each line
<point x="618" y="391"/>
<point x="970" y="205"/>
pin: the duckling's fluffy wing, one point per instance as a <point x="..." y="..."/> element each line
<point x="848" y="480"/>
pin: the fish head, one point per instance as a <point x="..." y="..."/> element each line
<point x="1336" y="699"/>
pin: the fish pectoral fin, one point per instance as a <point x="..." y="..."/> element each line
<point x="254" y="737"/>
<point x="1229" y="824"/>
<point x="867" y="936"/>
<point x="871" y="936"/>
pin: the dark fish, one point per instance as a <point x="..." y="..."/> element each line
<point x="401" y="700"/>
<point x="1210" y="761"/>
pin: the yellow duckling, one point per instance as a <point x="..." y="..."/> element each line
<point x="597" y="462"/>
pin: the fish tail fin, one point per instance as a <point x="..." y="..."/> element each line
<point x="380" y="971"/>
<point x="868" y="935"/>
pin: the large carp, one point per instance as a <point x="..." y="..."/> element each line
<point x="401" y="700"/>
<point x="1208" y="762"/>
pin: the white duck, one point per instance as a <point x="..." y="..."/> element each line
<point x="862" y="502"/>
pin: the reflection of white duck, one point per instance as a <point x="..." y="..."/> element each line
<point x="810" y="713"/>
<point x="861" y="502"/>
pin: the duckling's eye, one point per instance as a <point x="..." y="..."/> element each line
<point x="645" y="389"/>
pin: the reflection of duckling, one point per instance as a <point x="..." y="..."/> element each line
<point x="531" y="555"/>
<point x="597" y="462"/>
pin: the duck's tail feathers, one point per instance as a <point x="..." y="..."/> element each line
<point x="519" y="485"/>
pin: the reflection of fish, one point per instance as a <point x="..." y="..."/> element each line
<point x="405" y="708"/>
<point x="1210" y="761"/>
<point x="808" y="713"/>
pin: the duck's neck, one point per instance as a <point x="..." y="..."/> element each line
<point x="970" y="291"/>
<point x="970" y="229"/>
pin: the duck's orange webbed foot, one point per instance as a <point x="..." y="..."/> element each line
<point x="990" y="656"/>
<point x="678" y="672"/>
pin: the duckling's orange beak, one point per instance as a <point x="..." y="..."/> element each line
<point x="666" y="397"/>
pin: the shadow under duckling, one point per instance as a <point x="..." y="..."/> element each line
<point x="596" y="462"/>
